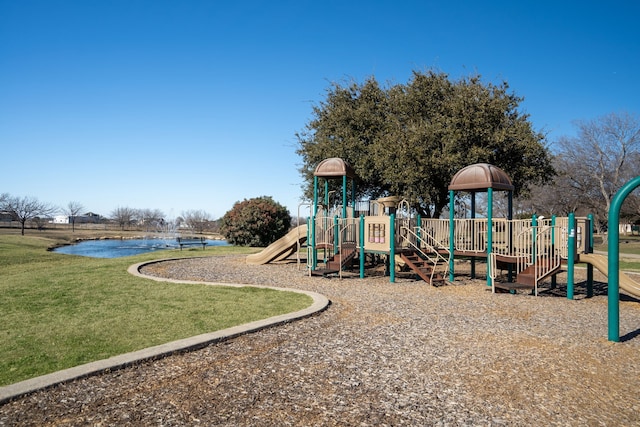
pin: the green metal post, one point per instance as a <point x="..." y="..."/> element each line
<point x="353" y="198"/>
<point x="344" y="196"/>
<point x="309" y="246"/>
<point x="326" y="196"/>
<point x="451" y="234"/>
<point x="315" y="195"/>
<point x="613" y="291"/>
<point x="314" y="254"/>
<point x="361" y="246"/>
<point x="312" y="225"/>
<point x="392" y="248"/>
<point x="571" y="255"/>
<point x="489" y="233"/>
<point x="534" y="237"/>
<point x="473" y="233"/>
<point x="325" y="220"/>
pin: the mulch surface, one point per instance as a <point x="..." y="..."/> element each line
<point x="383" y="354"/>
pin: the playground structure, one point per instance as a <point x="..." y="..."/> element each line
<point x="525" y="252"/>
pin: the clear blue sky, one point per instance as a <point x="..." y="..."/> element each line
<point x="181" y="105"/>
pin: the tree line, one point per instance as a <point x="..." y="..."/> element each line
<point x="25" y="209"/>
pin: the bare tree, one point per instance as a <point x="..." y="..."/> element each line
<point x="73" y="209"/>
<point x="152" y="219"/>
<point x="196" y="220"/>
<point x="27" y="208"/>
<point x="124" y="216"/>
<point x="600" y="159"/>
<point x="559" y="197"/>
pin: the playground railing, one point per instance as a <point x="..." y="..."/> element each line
<point x="427" y="248"/>
<point x="348" y="230"/>
<point x="325" y="235"/>
<point x="547" y="257"/>
<point x="437" y="229"/>
<point x="470" y="234"/>
<point x="535" y="246"/>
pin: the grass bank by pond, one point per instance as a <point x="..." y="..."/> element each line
<point x="59" y="311"/>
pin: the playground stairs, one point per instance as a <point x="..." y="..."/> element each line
<point x="423" y="268"/>
<point x="338" y="261"/>
<point x="526" y="279"/>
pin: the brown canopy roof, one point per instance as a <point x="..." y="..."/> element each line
<point x="481" y="176"/>
<point x="334" y="167"/>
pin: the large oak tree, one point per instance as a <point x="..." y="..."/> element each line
<point x="410" y="139"/>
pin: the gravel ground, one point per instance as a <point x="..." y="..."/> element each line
<point x="382" y="354"/>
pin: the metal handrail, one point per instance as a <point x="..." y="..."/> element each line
<point x="414" y="243"/>
<point x="349" y="223"/>
<point x="534" y="246"/>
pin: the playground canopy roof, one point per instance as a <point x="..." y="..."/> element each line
<point x="481" y="176"/>
<point x="334" y="167"/>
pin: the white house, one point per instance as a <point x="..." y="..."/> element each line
<point x="61" y="219"/>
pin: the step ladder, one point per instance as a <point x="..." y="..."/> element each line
<point x="424" y="268"/>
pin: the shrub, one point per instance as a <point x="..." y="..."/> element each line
<point x="255" y="222"/>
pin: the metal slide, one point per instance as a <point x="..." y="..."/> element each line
<point x="281" y="248"/>
<point x="600" y="262"/>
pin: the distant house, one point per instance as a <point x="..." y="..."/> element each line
<point x="61" y="219"/>
<point x="7" y="216"/>
<point x="88" y="218"/>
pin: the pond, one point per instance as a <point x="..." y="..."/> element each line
<point x="115" y="248"/>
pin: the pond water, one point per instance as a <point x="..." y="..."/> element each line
<point x="115" y="248"/>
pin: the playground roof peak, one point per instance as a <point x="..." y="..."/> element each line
<point x="481" y="176"/>
<point x="334" y="167"/>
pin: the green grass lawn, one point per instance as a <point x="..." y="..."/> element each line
<point x="59" y="311"/>
<point x="629" y="244"/>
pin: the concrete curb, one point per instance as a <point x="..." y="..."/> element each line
<point x="12" y="391"/>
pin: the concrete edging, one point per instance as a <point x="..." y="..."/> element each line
<point x="12" y="391"/>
